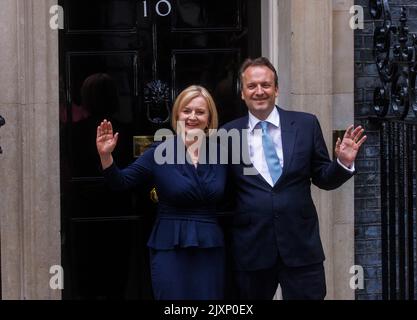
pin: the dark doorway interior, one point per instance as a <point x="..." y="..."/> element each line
<point x="125" y="60"/>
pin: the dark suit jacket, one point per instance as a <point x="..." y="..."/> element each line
<point x="282" y="219"/>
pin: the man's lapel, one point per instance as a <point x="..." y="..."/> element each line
<point x="244" y="147"/>
<point x="288" y="136"/>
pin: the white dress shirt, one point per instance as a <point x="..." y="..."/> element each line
<point x="256" y="152"/>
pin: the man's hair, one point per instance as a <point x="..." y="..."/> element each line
<point x="260" y="61"/>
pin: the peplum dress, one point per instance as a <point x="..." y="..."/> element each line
<point x="186" y="243"/>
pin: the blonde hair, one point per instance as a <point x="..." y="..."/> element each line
<point x="189" y="94"/>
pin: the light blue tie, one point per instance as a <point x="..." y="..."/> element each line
<point x="271" y="156"/>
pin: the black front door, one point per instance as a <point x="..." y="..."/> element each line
<point x="126" y="60"/>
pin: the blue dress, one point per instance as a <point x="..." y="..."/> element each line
<point x="186" y="244"/>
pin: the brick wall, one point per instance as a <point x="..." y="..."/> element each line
<point x="367" y="181"/>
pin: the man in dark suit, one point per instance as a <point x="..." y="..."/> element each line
<point x="275" y="234"/>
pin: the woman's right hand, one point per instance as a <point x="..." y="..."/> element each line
<point x="106" y="141"/>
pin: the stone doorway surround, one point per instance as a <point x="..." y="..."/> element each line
<point x="312" y="45"/>
<point x="29" y="170"/>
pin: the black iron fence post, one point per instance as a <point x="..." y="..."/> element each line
<point x="2" y="123"/>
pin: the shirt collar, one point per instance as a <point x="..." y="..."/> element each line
<point x="273" y="119"/>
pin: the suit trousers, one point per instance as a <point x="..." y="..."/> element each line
<point x="297" y="283"/>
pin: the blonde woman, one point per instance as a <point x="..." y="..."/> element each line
<point x="186" y="243"/>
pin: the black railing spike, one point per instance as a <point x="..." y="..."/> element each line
<point x="2" y="123"/>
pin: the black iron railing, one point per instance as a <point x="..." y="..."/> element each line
<point x="395" y="104"/>
<point x="395" y="53"/>
<point x="398" y="208"/>
<point x="2" y="123"/>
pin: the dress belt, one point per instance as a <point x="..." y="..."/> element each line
<point x="166" y="211"/>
